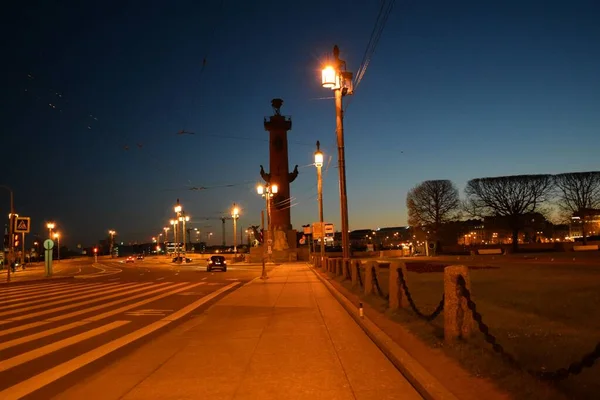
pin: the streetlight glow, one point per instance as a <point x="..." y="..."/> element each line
<point x="260" y="189"/>
<point x="318" y="156"/>
<point x="329" y="78"/>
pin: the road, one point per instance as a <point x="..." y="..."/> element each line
<point x="51" y="329"/>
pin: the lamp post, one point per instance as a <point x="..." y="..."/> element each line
<point x="319" y="165"/>
<point x="112" y="242"/>
<point x="184" y="218"/>
<point x="166" y="229"/>
<point x="50" y="226"/>
<point x="177" y="210"/>
<point x="267" y="191"/>
<point x="235" y="214"/>
<point x="174" y="224"/>
<point x="57" y="237"/>
<point x="11" y="237"/>
<point x="336" y="78"/>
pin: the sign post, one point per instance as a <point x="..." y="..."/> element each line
<point x="48" y="245"/>
<point x="22" y="226"/>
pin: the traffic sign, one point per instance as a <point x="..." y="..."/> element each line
<point x="22" y="224"/>
<point x="48" y="244"/>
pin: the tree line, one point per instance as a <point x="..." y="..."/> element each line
<point x="433" y="203"/>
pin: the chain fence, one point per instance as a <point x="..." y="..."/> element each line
<point x="360" y="282"/>
<point x="574" y="368"/>
<point x="427" y="317"/>
<point x="375" y="283"/>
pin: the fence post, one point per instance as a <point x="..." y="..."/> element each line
<point x="458" y="320"/>
<point x="397" y="293"/>
<point x="346" y="265"/>
<point x="368" y="282"/>
<point x="354" y="271"/>
<point x="338" y="266"/>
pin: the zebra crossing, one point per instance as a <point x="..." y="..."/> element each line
<point x="50" y="329"/>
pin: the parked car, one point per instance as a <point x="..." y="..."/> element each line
<point x="217" y="262"/>
<point x="130" y="259"/>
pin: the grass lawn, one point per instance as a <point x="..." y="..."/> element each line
<point x="546" y="315"/>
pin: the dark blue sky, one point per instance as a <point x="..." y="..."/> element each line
<point x="455" y="90"/>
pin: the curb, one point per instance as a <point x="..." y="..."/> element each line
<point x="425" y="383"/>
<point x="43" y="279"/>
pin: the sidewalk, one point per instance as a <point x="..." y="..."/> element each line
<point x="286" y="338"/>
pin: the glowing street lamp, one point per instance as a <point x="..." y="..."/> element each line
<point x="184" y="218"/>
<point x="267" y="191"/>
<point x="57" y="237"/>
<point x="112" y="234"/>
<point x="235" y="214"/>
<point x="319" y="165"/>
<point x="336" y="78"/>
<point x="50" y="226"/>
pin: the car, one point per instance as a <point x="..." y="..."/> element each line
<point x="182" y="259"/>
<point x="140" y="257"/>
<point x="217" y="262"/>
<point x="130" y="259"/>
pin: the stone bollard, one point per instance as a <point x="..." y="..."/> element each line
<point x="458" y="319"/>
<point x="397" y="294"/>
<point x="346" y="265"/>
<point x="354" y="271"/>
<point x="338" y="266"/>
<point x="368" y="289"/>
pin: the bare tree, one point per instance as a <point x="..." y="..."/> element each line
<point x="432" y="203"/>
<point x="512" y="197"/>
<point x="579" y="195"/>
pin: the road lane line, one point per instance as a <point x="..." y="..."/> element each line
<point x="38" y="381"/>
<point x="61" y="344"/>
<point x="22" y="289"/>
<point x="82" y="303"/>
<point x="160" y="279"/>
<point x="95" y="292"/>
<point x="107" y="314"/>
<point x="58" y="294"/>
<point x="39" y="335"/>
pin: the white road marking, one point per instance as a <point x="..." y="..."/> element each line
<point x="17" y="291"/>
<point x="47" y="292"/>
<point x="148" y="312"/>
<point x="39" y="335"/>
<point x="38" y="381"/>
<point x="160" y="279"/>
<point x="61" y="344"/>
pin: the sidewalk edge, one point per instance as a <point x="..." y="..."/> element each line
<point x="425" y="383"/>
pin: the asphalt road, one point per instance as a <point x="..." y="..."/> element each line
<point x="54" y="331"/>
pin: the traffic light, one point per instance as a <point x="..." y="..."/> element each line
<point x="95" y="250"/>
<point x="16" y="239"/>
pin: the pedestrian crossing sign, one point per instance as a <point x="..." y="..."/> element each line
<point x="22" y="224"/>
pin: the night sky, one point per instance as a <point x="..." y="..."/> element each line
<point x="93" y="95"/>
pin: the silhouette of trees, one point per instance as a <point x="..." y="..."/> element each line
<point x="579" y="195"/>
<point x="508" y="196"/>
<point x="432" y="203"/>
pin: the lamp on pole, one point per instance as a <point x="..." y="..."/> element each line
<point x="235" y="214"/>
<point x="57" y="237"/>
<point x="11" y="237"/>
<point x="177" y="210"/>
<point x="174" y="223"/>
<point x="166" y="229"/>
<point x="184" y="218"/>
<point x="112" y="242"/>
<point x="267" y="191"/>
<point x="50" y="226"/>
<point x="336" y="78"/>
<point x="319" y="165"/>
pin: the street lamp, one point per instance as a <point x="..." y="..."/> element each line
<point x="177" y="210"/>
<point x="319" y="165"/>
<point x="50" y="226"/>
<point x="235" y="214"/>
<point x="184" y="218"/>
<point x="11" y="237"/>
<point x="174" y="223"/>
<point x="336" y="78"/>
<point x="267" y="191"/>
<point x="112" y="241"/>
<point x="57" y="237"/>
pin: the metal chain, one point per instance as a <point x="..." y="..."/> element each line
<point x="429" y="317"/>
<point x="360" y="282"/>
<point x="376" y="283"/>
<point x="562" y="373"/>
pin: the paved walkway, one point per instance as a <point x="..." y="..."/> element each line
<point x="284" y="338"/>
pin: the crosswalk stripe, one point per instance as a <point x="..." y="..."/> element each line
<point x="33" y="288"/>
<point x="82" y="303"/>
<point x="21" y="327"/>
<point x="102" y="290"/>
<point x="52" y="347"/>
<point x="39" y="335"/>
<point x="47" y="292"/>
<point x="68" y="293"/>
<point x="36" y="382"/>
<point x="63" y="328"/>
